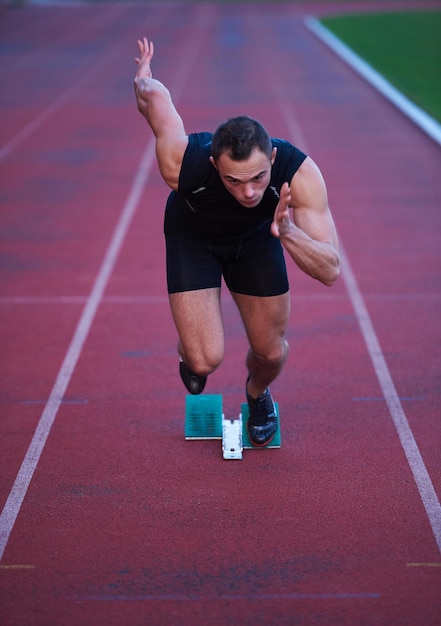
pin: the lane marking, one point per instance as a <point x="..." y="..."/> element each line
<point x="65" y="401"/>
<point x="83" y="299"/>
<point x="381" y="399"/>
<point x="409" y="445"/>
<point x="24" y="476"/>
<point x="112" y="54"/>
<point x="10" y="567"/>
<point x="387" y="297"/>
<point x="430" y="126"/>
<point x="28" y="129"/>
<point x="22" y="300"/>
<point x="19" y="489"/>
<point x="423" y="564"/>
<point x="239" y="597"/>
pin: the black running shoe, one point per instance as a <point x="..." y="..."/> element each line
<point x="263" y="421"/>
<point x="194" y="383"/>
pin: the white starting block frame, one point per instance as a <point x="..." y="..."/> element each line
<point x="232" y="444"/>
<point x="204" y="419"/>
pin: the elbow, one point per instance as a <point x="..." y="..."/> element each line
<point x="330" y="280"/>
<point x="333" y="272"/>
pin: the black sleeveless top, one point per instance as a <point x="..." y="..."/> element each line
<point x="209" y="207"/>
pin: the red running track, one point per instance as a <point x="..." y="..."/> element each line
<point x="110" y="517"/>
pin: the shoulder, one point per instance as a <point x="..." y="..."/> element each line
<point x="288" y="160"/>
<point x="310" y="172"/>
<point x="308" y="188"/>
<point x="196" y="160"/>
<point x="286" y="151"/>
<point x="198" y="150"/>
<point x="199" y="142"/>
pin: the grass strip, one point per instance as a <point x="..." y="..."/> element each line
<point x="404" y="47"/>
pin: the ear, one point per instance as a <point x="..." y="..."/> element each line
<point x="273" y="155"/>
<point x="213" y="162"/>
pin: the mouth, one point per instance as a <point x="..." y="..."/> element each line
<point x="250" y="203"/>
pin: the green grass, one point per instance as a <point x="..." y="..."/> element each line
<point x="404" y="47"/>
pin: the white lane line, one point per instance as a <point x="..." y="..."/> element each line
<point x="433" y="129"/>
<point x="235" y="597"/>
<point x="67" y="96"/>
<point x="37" y="300"/>
<point x="331" y="297"/>
<point x="430" y="126"/>
<point x="414" y="458"/>
<point x="24" y="476"/>
<point x="410" y="447"/>
<point x="42" y="117"/>
<point x="29" y="464"/>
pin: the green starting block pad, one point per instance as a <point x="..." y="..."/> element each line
<point x="275" y="443"/>
<point x="204" y="419"/>
<point x="203" y="416"/>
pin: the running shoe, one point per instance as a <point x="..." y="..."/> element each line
<point x="194" y="383"/>
<point x="263" y="422"/>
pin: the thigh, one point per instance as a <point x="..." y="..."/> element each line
<point x="265" y="320"/>
<point x="198" y="319"/>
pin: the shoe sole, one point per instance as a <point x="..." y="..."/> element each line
<point x="260" y="445"/>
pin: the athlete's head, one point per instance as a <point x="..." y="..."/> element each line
<point x="238" y="137"/>
<point x="243" y="155"/>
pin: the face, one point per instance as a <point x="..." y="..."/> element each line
<point x="246" y="180"/>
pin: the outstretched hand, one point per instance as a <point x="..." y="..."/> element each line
<point x="282" y="222"/>
<point x="146" y="51"/>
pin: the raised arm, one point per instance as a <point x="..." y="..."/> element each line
<point x="155" y="104"/>
<point x="310" y="236"/>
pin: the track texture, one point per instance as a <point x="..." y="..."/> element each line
<point x="123" y="522"/>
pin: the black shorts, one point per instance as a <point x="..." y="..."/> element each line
<point x="252" y="264"/>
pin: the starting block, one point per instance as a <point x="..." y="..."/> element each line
<point x="204" y="419"/>
<point x="275" y="443"/>
<point x="232" y="439"/>
<point x="203" y="416"/>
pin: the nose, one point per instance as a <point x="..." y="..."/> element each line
<point x="248" y="191"/>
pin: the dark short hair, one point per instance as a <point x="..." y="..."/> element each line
<point x="238" y="137"/>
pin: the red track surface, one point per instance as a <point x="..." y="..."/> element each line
<point x="123" y="521"/>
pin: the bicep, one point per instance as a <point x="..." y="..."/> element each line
<point x="156" y="105"/>
<point x="170" y="149"/>
<point x="309" y="200"/>
<point x="171" y="143"/>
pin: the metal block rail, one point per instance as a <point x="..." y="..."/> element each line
<point x="204" y="419"/>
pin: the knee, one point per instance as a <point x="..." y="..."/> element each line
<point x="274" y="355"/>
<point x="205" y="363"/>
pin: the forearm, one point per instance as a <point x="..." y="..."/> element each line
<point x="318" y="259"/>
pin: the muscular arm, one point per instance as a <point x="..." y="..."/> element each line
<point x="155" y="104"/>
<point x="309" y="237"/>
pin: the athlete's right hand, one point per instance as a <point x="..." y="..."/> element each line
<point x="146" y="51"/>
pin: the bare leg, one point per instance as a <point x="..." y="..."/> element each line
<point x="198" y="319"/>
<point x="265" y="321"/>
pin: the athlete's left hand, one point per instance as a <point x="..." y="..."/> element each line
<point x="146" y="51"/>
<point x="282" y="222"/>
